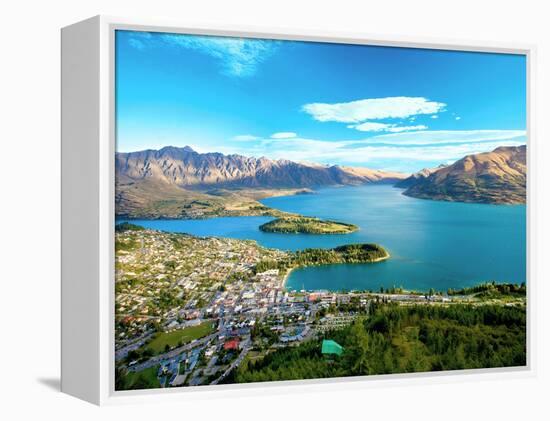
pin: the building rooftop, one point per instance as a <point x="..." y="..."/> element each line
<point x="231" y="344"/>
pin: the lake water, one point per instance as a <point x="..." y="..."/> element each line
<point x="432" y="243"/>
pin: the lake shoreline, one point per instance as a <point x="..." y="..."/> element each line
<point x="423" y="233"/>
<point x="249" y="204"/>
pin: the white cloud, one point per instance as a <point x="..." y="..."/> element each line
<point x="443" y="153"/>
<point x="245" y="138"/>
<point x="396" y="149"/>
<point x="434" y="116"/>
<point x="433" y="137"/>
<point x="238" y="57"/>
<point x="369" y="126"/>
<point x="311" y="150"/>
<point x="372" y="109"/>
<point x="136" y="43"/>
<point x="457" y="118"/>
<point x="283" y="135"/>
<point x="398" y="129"/>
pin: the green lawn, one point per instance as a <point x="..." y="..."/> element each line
<point x="159" y="342"/>
<point x="145" y="379"/>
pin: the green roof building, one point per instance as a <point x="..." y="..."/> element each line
<point x="331" y="347"/>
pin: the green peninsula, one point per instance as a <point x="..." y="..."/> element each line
<point x="349" y="253"/>
<point x="307" y="225"/>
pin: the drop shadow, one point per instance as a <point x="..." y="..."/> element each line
<point x="52" y="383"/>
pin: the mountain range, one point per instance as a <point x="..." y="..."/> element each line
<point x="186" y="168"/>
<point x="182" y="183"/>
<point x="498" y="177"/>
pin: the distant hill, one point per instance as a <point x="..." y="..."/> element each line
<point x="180" y="182"/>
<point x="414" y="178"/>
<point x="498" y="177"/>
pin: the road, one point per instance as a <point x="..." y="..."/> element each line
<point x="173" y="353"/>
<point x="236" y="363"/>
<point x="123" y="352"/>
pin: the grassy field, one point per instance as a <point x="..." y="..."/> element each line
<point x="144" y="379"/>
<point x="181" y="336"/>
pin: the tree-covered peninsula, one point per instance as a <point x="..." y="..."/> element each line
<point x="307" y="225"/>
<point x="349" y="253"/>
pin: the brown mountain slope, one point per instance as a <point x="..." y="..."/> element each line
<point x="181" y="183"/>
<point x="499" y="176"/>
<point x="184" y="167"/>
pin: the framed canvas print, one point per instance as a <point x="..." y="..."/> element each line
<point x="244" y="209"/>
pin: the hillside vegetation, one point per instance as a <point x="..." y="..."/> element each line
<point x="399" y="339"/>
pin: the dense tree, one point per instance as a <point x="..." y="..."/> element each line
<point x="397" y="339"/>
<point x="351" y="253"/>
<point x="306" y="225"/>
<point x="491" y="289"/>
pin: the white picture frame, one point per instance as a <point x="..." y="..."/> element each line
<point x="88" y="218"/>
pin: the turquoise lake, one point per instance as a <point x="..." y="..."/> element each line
<point x="433" y="244"/>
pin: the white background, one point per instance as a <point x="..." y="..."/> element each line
<point x="29" y="236"/>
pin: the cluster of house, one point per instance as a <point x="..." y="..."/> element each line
<point x="152" y="264"/>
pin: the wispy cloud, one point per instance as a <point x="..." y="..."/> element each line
<point x="245" y="138"/>
<point x="369" y="126"/>
<point x="137" y="43"/>
<point x="373" y="109"/>
<point x="283" y="135"/>
<point x="238" y="57"/>
<point x="400" y="151"/>
<point x="339" y="153"/>
<point x="434" y="137"/>
<point x="398" y="129"/>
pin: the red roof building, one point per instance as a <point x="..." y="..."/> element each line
<point x="232" y="344"/>
<point x="313" y="297"/>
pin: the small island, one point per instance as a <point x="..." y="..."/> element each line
<point x="307" y="225"/>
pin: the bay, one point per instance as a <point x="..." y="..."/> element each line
<point x="433" y="244"/>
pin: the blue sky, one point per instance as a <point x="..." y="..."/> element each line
<point x="378" y="107"/>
